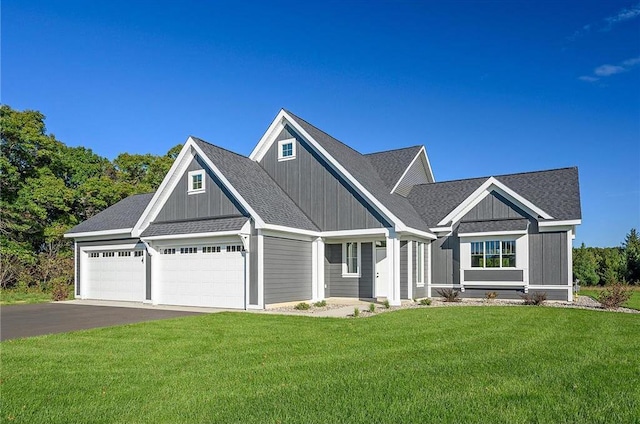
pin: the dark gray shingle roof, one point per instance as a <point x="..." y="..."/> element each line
<point x="196" y="226"/>
<point x="556" y="191"/>
<point x="253" y="183"/>
<point x="362" y="169"/>
<point x="391" y="164"/>
<point x="496" y="225"/>
<point x="123" y="214"/>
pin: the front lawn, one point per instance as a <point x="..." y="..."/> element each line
<point x="459" y="364"/>
<point x="594" y="292"/>
<point x="18" y="296"/>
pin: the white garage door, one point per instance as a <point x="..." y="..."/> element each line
<point x="210" y="276"/>
<point x="115" y="275"/>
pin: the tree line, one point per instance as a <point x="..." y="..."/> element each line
<point x="47" y="187"/>
<point x="607" y="265"/>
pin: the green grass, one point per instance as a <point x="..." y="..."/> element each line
<point x="460" y="364"/>
<point x="17" y="296"/>
<point x="594" y="292"/>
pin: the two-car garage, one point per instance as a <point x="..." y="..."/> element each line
<point x="199" y="274"/>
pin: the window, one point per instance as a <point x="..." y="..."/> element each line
<point x="352" y="258"/>
<point x="235" y="248"/>
<point x="196" y="182"/>
<point x="287" y="149"/>
<point x="211" y="249"/>
<point x="108" y="254"/>
<point x="94" y="254"/>
<point x="138" y="253"/>
<point x="188" y="250"/>
<point x="420" y="264"/>
<point x="168" y="251"/>
<point x="493" y="254"/>
<point x="121" y="254"/>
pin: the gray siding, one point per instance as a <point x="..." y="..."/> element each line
<point x="493" y="275"/>
<point x="215" y="201"/>
<point x="337" y="286"/>
<point x="321" y="194"/>
<point x="494" y="206"/>
<point x="287" y="270"/>
<point x="479" y="293"/>
<point x="420" y="292"/>
<point x="404" y="276"/>
<point x="548" y="262"/>
<point x="445" y="260"/>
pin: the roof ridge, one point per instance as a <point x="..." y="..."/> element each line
<point x="393" y="150"/>
<point x="218" y="147"/>
<point x="322" y="131"/>
<point x="502" y="175"/>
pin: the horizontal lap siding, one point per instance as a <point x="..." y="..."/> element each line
<point x="493" y="275"/>
<point x="287" y="270"/>
<point x="337" y="286"/>
<point x="510" y="294"/>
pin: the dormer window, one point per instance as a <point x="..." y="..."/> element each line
<point x="287" y="149"/>
<point x="196" y="182"/>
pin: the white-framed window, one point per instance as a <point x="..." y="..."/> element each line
<point x="188" y="250"/>
<point x="211" y="249"/>
<point x="493" y="254"/>
<point x="287" y="149"/>
<point x="419" y="264"/>
<point x="94" y="254"/>
<point x="235" y="248"/>
<point x="168" y="251"/>
<point x="196" y="181"/>
<point x="124" y="253"/>
<point x="138" y="253"/>
<point x="108" y="254"/>
<point x="351" y="259"/>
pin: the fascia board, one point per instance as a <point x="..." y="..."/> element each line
<point x="559" y="223"/>
<point x="192" y="235"/>
<point x="268" y="137"/>
<point x="119" y="231"/>
<point x="340" y="169"/>
<point x="484" y="190"/>
<point x="493" y="233"/>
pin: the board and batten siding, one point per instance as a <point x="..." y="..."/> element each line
<point x="548" y="262"/>
<point x="214" y="202"/>
<point x="322" y="194"/>
<point x="336" y="285"/>
<point x="287" y="270"/>
<point x="494" y="206"/>
<point x="445" y="260"/>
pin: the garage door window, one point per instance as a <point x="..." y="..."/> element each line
<point x="211" y="249"/>
<point x="168" y="251"/>
<point x="187" y="250"/>
<point x="121" y="254"/>
<point x="108" y="254"/>
<point x="138" y="253"/>
<point x="235" y="248"/>
<point x="94" y="254"/>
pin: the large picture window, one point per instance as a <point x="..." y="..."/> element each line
<point x="493" y="254"/>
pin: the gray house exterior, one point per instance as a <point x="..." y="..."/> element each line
<point x="305" y="217"/>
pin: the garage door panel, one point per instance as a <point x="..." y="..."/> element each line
<point x="202" y="279"/>
<point x="115" y="277"/>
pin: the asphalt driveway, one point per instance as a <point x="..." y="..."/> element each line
<point x="18" y="321"/>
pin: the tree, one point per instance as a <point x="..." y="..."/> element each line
<point x="585" y="266"/>
<point x="631" y="249"/>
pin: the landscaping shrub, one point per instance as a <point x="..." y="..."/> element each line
<point x="615" y="295"/>
<point x="386" y="304"/>
<point x="59" y="289"/>
<point x="356" y="312"/>
<point x="426" y="301"/>
<point x="491" y="295"/>
<point x="372" y="307"/>
<point x="320" y="304"/>
<point x="449" y="295"/>
<point x="302" y="306"/>
<point x="535" y="298"/>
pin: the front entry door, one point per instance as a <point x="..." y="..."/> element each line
<point x="382" y="280"/>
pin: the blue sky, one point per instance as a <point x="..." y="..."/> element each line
<point x="489" y="87"/>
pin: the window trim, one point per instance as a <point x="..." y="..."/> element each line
<point x="500" y="242"/>
<point x="419" y="270"/>
<point x="281" y="143"/>
<point x="345" y="269"/>
<point x="192" y="174"/>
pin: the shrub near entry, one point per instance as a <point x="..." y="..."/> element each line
<point x="614" y="296"/>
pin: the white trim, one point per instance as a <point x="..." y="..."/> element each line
<point x="493" y="233"/>
<point x="314" y="270"/>
<point x="441" y="229"/>
<point x="410" y="269"/>
<point x="321" y="279"/>
<point x="549" y="287"/>
<point x="109" y="247"/>
<point x="426" y="156"/>
<point x="420" y="272"/>
<point x="570" y="222"/>
<point x="76" y="264"/>
<point x="193" y="235"/>
<point x="356" y="233"/>
<point x="496" y="284"/>
<point x="413" y="231"/>
<point x="292" y="230"/>
<point x="570" y="265"/>
<point x="492" y="184"/>
<point x="429" y="268"/>
<point x="345" y="267"/>
<point x="203" y="176"/>
<point x="269" y="136"/>
<point x="123" y="231"/>
<point x="281" y="143"/>
<point x="260" y="270"/>
<point x="418" y="155"/>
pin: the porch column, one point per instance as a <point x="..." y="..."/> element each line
<point x="155" y="272"/>
<point x="317" y="270"/>
<point x="393" y="263"/>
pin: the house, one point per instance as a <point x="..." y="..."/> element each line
<point x="305" y="217"/>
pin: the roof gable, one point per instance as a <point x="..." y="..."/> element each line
<point x="392" y="164"/>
